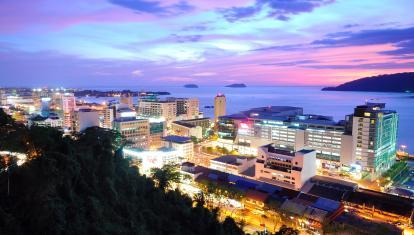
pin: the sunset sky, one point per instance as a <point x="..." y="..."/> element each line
<point x="172" y="42"/>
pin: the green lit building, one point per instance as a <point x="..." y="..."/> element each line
<point x="374" y="131"/>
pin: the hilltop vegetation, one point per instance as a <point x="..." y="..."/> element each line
<point x="399" y="82"/>
<point x="83" y="185"/>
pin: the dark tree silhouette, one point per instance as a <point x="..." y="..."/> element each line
<point x="83" y="185"/>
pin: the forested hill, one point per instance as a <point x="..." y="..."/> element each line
<point x="399" y="82"/>
<point x="84" y="186"/>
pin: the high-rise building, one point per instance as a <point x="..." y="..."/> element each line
<point x="108" y="116"/>
<point x="374" y="131"/>
<point x="84" y="118"/>
<point x="166" y="109"/>
<point x="127" y="100"/>
<point x="157" y="131"/>
<point x="2" y="97"/>
<point x="136" y="131"/>
<point x="68" y="107"/>
<point x="219" y="106"/>
<point x="187" y="108"/>
<point x="45" y="106"/>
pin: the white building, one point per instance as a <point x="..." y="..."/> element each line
<point x="186" y="129"/>
<point x="50" y="121"/>
<point x="68" y="107"/>
<point x="183" y="145"/>
<point x="155" y="109"/>
<point x="187" y="108"/>
<point x="219" y="106"/>
<point x="84" y="118"/>
<point x="285" y="167"/>
<point x="153" y="158"/>
<point x="136" y="131"/>
<point x="108" y="116"/>
<point x="232" y="164"/>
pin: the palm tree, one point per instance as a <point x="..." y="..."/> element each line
<point x="165" y="176"/>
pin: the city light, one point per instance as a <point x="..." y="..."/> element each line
<point x="191" y="117"/>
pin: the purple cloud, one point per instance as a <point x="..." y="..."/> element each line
<point x="154" y="7"/>
<point x="293" y="63"/>
<point x="405" y="49"/>
<point x="279" y="9"/>
<point x="368" y="37"/>
<point x="387" y="65"/>
<point x="403" y="39"/>
<point x="186" y="38"/>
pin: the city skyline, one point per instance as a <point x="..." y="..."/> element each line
<point x="126" y="42"/>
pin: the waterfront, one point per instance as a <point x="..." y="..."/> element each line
<point x="312" y="99"/>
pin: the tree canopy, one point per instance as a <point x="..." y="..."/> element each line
<point x="83" y="185"/>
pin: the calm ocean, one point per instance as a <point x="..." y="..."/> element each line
<point x="312" y="99"/>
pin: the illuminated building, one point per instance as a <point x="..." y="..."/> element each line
<point x="136" y="131"/>
<point x="84" y="118"/>
<point x="156" y="109"/>
<point x="183" y="145"/>
<point x="232" y="164"/>
<point x="288" y="127"/>
<point x="108" y="116"/>
<point x="52" y="120"/>
<point x="68" y="107"/>
<point x="45" y="107"/>
<point x="285" y="167"/>
<point x="127" y="100"/>
<point x="56" y="102"/>
<point x="152" y="158"/>
<point x="157" y="131"/>
<point x="123" y="112"/>
<point x="2" y="97"/>
<point x="187" y="130"/>
<point x="187" y="108"/>
<point x="197" y="127"/>
<point x="374" y="131"/>
<point x="219" y="106"/>
<point x="204" y="123"/>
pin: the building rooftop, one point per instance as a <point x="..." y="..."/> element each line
<point x="38" y="118"/>
<point x="196" y="119"/>
<point x="185" y="124"/>
<point x="158" y="101"/>
<point x="271" y="148"/>
<point x="231" y="159"/>
<point x="335" y="183"/>
<point x="234" y="116"/>
<point x="129" y="119"/>
<point x="188" y="164"/>
<point x="305" y="151"/>
<point x="85" y="110"/>
<point x="382" y="201"/>
<point x="177" y="139"/>
<point x="125" y="109"/>
<point x="271" y="110"/>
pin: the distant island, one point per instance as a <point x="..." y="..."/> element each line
<point x="237" y="85"/>
<point x="191" y="86"/>
<point x="398" y="82"/>
<point x="113" y="93"/>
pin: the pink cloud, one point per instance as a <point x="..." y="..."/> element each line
<point x="19" y="15"/>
